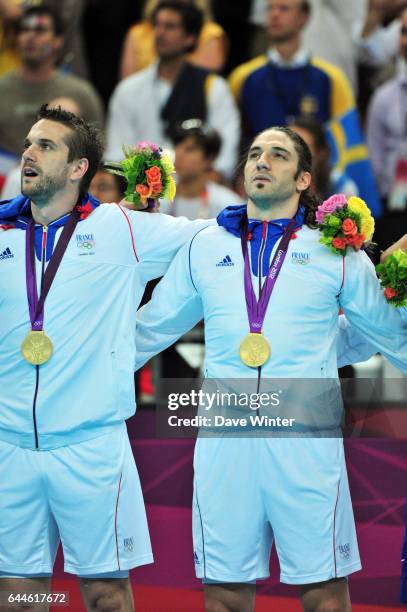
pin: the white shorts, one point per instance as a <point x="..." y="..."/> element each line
<point x="249" y="492"/>
<point x="87" y="495"/>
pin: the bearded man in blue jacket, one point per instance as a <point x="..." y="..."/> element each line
<point x="73" y="272"/>
<point x="252" y="489"/>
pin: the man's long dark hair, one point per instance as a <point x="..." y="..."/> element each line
<point x="308" y="199"/>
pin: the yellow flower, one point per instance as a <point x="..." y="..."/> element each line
<point x="367" y="226"/>
<point x="167" y="164"/>
<point x="357" y="205"/>
<point x="170" y="189"/>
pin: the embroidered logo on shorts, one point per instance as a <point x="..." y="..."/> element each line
<point x="344" y="551"/>
<point x="85" y="243"/>
<point x="128" y="544"/>
<point x="196" y="559"/>
<point x="300" y="258"/>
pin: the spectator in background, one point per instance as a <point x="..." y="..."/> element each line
<point x="376" y="38"/>
<point x="139" y="50"/>
<point x="333" y="19"/>
<point x="24" y="90"/>
<point x="327" y="16"/>
<point x="197" y="197"/>
<point x="71" y="57"/>
<point x="107" y="187"/>
<point x="377" y="35"/>
<point x="10" y="12"/>
<point x="387" y="131"/>
<point x="288" y="81"/>
<point x="149" y="104"/>
<point x="12" y="182"/>
<point x="325" y="179"/>
<point x="387" y="141"/>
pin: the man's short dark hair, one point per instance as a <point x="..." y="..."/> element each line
<point x="191" y="16"/>
<point x="44" y="10"/>
<point x="204" y="137"/>
<point x="84" y="140"/>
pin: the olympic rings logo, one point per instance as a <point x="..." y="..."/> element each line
<point x="86" y="245"/>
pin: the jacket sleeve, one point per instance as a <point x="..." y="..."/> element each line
<point x="351" y="345"/>
<point x="157" y="239"/>
<point x="367" y="310"/>
<point x="175" y="307"/>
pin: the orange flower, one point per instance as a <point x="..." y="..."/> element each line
<point x="339" y="243"/>
<point x="156" y="188"/>
<point x="153" y="175"/>
<point x="356" y="240"/>
<point x="349" y="227"/>
<point x="142" y="190"/>
<point x="390" y="293"/>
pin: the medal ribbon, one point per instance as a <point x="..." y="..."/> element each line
<point x="256" y="309"/>
<point x="36" y="306"/>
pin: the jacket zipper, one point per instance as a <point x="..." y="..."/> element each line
<point x="37" y="367"/>
<point x="259" y="271"/>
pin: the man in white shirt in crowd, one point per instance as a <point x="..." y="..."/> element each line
<point x="149" y="104"/>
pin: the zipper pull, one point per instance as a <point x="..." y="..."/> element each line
<point x="264" y="230"/>
<point x="44" y="242"/>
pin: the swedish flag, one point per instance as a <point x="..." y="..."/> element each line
<point x="349" y="154"/>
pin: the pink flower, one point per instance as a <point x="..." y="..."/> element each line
<point x="144" y="144"/>
<point x="329" y="206"/>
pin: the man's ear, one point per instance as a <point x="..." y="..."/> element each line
<point x="304" y="181"/>
<point x="79" y="169"/>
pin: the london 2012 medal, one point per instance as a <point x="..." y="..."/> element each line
<point x="37" y="347"/>
<point x="254" y="350"/>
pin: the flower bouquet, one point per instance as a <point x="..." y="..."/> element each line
<point x="344" y="223"/>
<point x="393" y="277"/>
<point x="148" y="172"/>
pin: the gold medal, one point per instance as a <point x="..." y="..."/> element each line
<point x="37" y="347"/>
<point x="254" y="350"/>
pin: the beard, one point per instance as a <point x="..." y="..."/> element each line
<point x="268" y="196"/>
<point x="44" y="188"/>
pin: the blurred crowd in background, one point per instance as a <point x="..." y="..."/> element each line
<point x="203" y="77"/>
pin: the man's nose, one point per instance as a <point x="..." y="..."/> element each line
<point x="28" y="154"/>
<point x="263" y="162"/>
